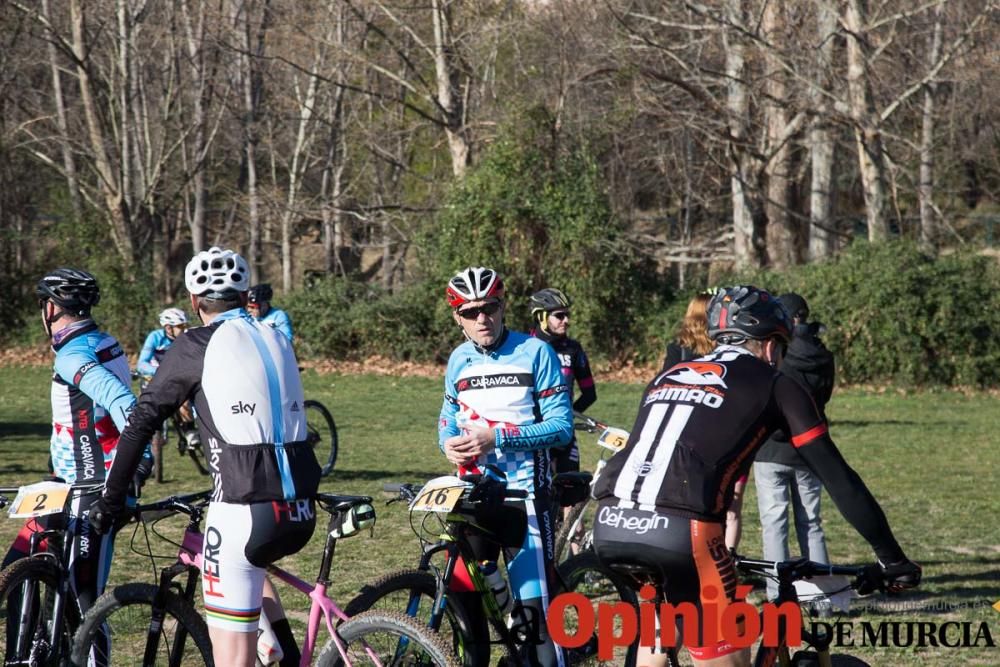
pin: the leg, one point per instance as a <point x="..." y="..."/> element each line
<point x="89" y="566"/>
<point x="275" y="613"/>
<point x="232" y="587"/>
<point x="808" y="524"/>
<point x="734" y="516"/>
<point x="772" y="501"/>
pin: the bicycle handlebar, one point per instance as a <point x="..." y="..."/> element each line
<point x="866" y="578"/>
<point x="408" y="491"/>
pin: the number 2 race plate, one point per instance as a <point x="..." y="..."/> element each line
<point x="39" y="499"/>
<point x="441" y="494"/>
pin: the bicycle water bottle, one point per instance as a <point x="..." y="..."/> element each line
<point x="497" y="584"/>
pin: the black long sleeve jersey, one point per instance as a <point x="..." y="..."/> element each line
<point x="699" y="425"/>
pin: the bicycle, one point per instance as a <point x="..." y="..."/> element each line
<point x="154" y="622"/>
<point x="37" y="607"/>
<point x="862" y="579"/>
<point x="572" y="535"/>
<point x="423" y="592"/>
<point x="321" y="429"/>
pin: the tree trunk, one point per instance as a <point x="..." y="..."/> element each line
<point x="781" y="236"/>
<point x="745" y="240"/>
<point x="821" y="145"/>
<point x="867" y="133"/>
<point x="69" y="163"/>
<point x="925" y="191"/>
<point x="449" y="97"/>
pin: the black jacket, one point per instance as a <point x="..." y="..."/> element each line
<point x="809" y="363"/>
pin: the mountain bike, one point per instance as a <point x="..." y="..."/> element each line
<point x="38" y="610"/>
<point x="864" y="579"/>
<point x="158" y="624"/>
<point x="447" y="517"/>
<point x="572" y="534"/>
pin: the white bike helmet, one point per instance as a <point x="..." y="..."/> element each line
<point x="473" y="284"/>
<point x="217" y="271"/>
<point x="173" y="317"/>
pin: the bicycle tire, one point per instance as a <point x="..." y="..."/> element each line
<point x="46" y="574"/>
<point x="129" y="632"/>
<point x="584" y="573"/>
<point x="562" y="543"/>
<point x="197" y="455"/>
<point x="157" y="443"/>
<point x="458" y="632"/>
<point x="429" y="648"/>
<point x="811" y="659"/>
<point x="317" y="428"/>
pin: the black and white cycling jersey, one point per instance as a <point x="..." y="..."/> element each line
<point x="243" y="378"/>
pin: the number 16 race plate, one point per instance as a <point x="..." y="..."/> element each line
<point x="441" y="494"/>
<point x="39" y="500"/>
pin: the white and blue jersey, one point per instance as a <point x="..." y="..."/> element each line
<point x="243" y="378"/>
<point x="278" y="319"/>
<point x="91" y="401"/>
<point x="156" y="345"/>
<point x="517" y="389"/>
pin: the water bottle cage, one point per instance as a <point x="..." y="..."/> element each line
<point x="352" y="521"/>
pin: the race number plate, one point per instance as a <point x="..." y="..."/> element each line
<point x="613" y="439"/>
<point x="441" y="494"/>
<point x="39" y="500"/>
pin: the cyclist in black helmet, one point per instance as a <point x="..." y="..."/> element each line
<point x="663" y="498"/>
<point x="551" y="309"/>
<point x="259" y="305"/>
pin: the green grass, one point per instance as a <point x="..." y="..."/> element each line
<point x="931" y="459"/>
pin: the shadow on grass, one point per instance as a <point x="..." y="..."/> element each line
<point x="414" y="476"/>
<point x="25" y="429"/>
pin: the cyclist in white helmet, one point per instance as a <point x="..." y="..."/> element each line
<point x="173" y="322"/>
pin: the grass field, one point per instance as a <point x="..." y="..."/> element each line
<point x="931" y="459"/>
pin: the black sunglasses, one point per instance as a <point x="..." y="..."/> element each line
<point x="489" y="309"/>
<point x="561" y="315"/>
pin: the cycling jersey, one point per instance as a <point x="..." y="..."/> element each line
<point x="244" y="380"/>
<point x="91" y="401"/>
<point x="156" y="345"/>
<point x="575" y="366"/>
<point x="278" y="319"/>
<point x="700" y="424"/>
<point x="517" y="389"/>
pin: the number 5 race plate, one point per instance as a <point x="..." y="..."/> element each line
<point x="441" y="494"/>
<point x="613" y="439"/>
<point x="39" y="499"/>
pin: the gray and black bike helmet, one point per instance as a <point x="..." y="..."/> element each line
<point x="744" y="311"/>
<point x="74" y="290"/>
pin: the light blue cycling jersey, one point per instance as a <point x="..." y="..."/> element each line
<point x="91" y="402"/>
<point x="518" y="390"/>
<point x="156" y="345"/>
<point x="278" y="319"/>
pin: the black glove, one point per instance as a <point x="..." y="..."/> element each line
<point x="102" y="516"/>
<point x="901" y="575"/>
<point x="489" y="493"/>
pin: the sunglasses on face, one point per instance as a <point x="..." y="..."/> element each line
<point x="488" y="309"/>
<point x="561" y="315"/>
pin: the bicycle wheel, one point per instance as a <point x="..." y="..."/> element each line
<point x="27" y="603"/>
<point x="390" y="638"/>
<point x="157" y="446"/>
<point x="321" y="430"/>
<point x="584" y="574"/>
<point x="392" y="593"/>
<point x="128" y="610"/>
<point x="811" y="659"/>
<point x="576" y="530"/>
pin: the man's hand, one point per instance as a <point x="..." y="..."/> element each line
<point x="902" y="575"/>
<point x="465" y="449"/>
<point x="102" y="516"/>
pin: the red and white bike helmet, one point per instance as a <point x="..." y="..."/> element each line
<point x="474" y="284"/>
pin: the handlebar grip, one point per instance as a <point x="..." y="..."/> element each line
<point x="395" y="487"/>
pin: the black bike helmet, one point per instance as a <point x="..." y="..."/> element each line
<point x="548" y="299"/>
<point x="261" y="293"/>
<point x="73" y="290"/>
<point x="744" y="311"/>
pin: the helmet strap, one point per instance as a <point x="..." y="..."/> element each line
<point x="543" y="320"/>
